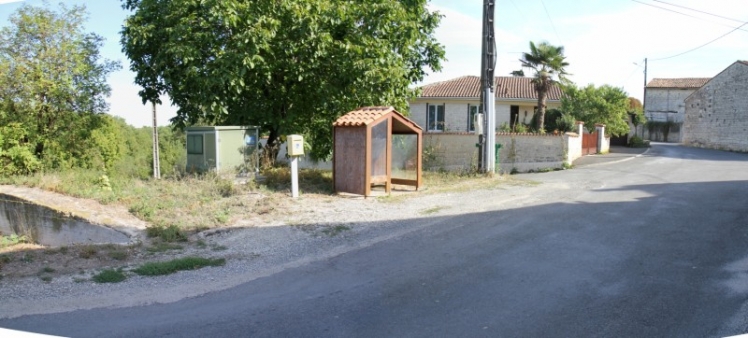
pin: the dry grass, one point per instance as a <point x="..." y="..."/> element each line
<point x="193" y="202"/>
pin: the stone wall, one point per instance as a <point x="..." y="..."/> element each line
<point x="717" y="114"/>
<point x="518" y="152"/>
<point x="663" y="105"/>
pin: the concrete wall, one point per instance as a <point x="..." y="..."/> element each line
<point x="574" y="143"/>
<point x="666" y="104"/>
<point x="519" y="152"/>
<point x="717" y="114"/>
<point x="47" y="226"/>
<point x="456" y="112"/>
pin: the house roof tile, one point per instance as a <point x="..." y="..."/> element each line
<point x="366" y="115"/>
<point x="362" y="116"/>
<point x="686" y="82"/>
<point x="507" y="87"/>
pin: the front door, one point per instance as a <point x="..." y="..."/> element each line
<point x="514" y="117"/>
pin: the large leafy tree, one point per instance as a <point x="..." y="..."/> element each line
<point x="549" y="64"/>
<point x="289" y="66"/>
<point x="605" y="104"/>
<point x="52" y="79"/>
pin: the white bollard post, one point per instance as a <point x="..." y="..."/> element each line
<point x="294" y="176"/>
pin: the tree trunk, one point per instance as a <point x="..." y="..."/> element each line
<point x="541" y="110"/>
<point x="271" y="149"/>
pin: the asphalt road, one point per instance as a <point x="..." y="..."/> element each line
<point x="650" y="247"/>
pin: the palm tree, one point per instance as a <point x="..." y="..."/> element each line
<point x="548" y="62"/>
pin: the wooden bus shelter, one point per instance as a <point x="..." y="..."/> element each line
<point x="374" y="146"/>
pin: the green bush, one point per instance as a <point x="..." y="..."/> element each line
<point x="16" y="155"/>
<point x="638" y="142"/>
<point x="565" y="123"/>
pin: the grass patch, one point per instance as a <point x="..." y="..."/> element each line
<point x="219" y="248"/>
<point x="336" y="230"/>
<point x="46" y="279"/>
<point x="109" y="276"/>
<point x="175" y="265"/>
<point x="48" y="269"/>
<point x="430" y="211"/>
<point x="12" y="239"/>
<point x="171" y="233"/>
<point x="88" y="251"/>
<point x="311" y="181"/>
<point x="27" y="257"/>
<point x="164" y="246"/>
<point x="119" y="255"/>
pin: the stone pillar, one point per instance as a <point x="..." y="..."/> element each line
<point x="580" y="128"/>
<point x="600" y="129"/>
<point x="580" y="132"/>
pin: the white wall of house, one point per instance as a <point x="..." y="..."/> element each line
<point x="717" y="114"/>
<point x="456" y="112"/>
<point x="667" y="104"/>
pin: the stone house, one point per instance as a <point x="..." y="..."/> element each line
<point x="664" y="101"/>
<point x="449" y="106"/>
<point x="716" y="115"/>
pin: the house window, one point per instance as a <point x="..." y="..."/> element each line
<point x="195" y="144"/>
<point x="472" y="111"/>
<point x="435" y="117"/>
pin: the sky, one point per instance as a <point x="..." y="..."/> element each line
<point x="605" y="41"/>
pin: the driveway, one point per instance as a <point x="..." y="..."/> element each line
<point x="649" y="247"/>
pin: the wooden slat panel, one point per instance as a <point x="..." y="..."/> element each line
<point x="350" y="160"/>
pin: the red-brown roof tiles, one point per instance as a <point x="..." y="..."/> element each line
<point x="363" y="116"/>
<point x="507" y="87"/>
<point x="687" y="82"/>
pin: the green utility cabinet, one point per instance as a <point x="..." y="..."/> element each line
<point x="222" y="148"/>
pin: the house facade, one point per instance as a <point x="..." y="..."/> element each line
<point x="664" y="104"/>
<point x="449" y="106"/>
<point x="716" y="115"/>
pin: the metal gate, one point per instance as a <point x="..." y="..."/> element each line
<point x="589" y="143"/>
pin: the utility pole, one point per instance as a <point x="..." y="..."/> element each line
<point x="156" y="163"/>
<point x="644" y="99"/>
<point x="488" y="64"/>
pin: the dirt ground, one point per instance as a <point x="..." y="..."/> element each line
<point x="83" y="261"/>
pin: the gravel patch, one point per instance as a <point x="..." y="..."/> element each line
<point x="256" y="248"/>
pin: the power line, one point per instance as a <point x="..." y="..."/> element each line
<point x="685" y="14"/>
<point x="551" y="20"/>
<point x="632" y="73"/>
<point x="700" y="11"/>
<point x="517" y="8"/>
<point x="691" y="50"/>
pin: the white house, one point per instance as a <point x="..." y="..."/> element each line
<point x="449" y="106"/>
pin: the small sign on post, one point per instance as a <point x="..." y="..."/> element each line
<point x="295" y="149"/>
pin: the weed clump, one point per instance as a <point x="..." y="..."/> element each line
<point x="109" y="276"/>
<point x="171" y="233"/>
<point x="175" y="265"/>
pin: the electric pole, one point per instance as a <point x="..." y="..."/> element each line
<point x="156" y="163"/>
<point x="488" y="100"/>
